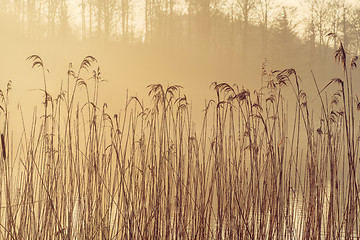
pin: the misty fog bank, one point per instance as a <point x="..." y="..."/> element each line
<point x="211" y="43"/>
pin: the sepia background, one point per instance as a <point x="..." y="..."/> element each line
<point x="189" y="119"/>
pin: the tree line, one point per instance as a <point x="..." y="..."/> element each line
<point x="236" y="28"/>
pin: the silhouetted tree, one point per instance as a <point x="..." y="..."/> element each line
<point x="64" y="29"/>
<point x="110" y="8"/>
<point x="125" y="9"/>
<point x="53" y="8"/>
<point x="232" y="19"/>
<point x="106" y="11"/>
<point x="83" y="19"/>
<point x="285" y="43"/>
<point x="204" y="21"/>
<point x="246" y="8"/>
<point x="265" y="11"/>
<point x="318" y="26"/>
<point x="354" y="31"/>
<point x="170" y="23"/>
<point x="345" y="11"/>
<point x="334" y="12"/>
<point x="91" y="6"/>
<point x="190" y="17"/>
<point x="148" y="20"/>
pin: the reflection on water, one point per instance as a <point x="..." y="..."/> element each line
<point x="295" y="217"/>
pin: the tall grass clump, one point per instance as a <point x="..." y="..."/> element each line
<point x="262" y="165"/>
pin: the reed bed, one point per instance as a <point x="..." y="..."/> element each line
<point x="255" y="169"/>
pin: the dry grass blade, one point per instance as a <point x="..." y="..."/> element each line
<point x="87" y="61"/>
<point x="340" y="56"/>
<point x="37" y="61"/>
<point x="3" y="147"/>
<point x="148" y="173"/>
<point x="353" y="63"/>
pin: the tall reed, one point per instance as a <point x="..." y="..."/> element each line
<point x="257" y="168"/>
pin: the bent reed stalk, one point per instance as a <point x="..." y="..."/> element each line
<point x="146" y="173"/>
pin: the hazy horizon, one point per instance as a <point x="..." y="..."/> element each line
<point x="185" y="56"/>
